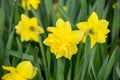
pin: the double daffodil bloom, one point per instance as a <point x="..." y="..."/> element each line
<point x="28" y="29"/>
<point x="26" y="4"/>
<point x="63" y="40"/>
<point x="23" y="71"/>
<point x="95" y="28"/>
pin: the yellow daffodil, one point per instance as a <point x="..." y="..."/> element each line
<point x="26" y="4"/>
<point x="28" y="28"/>
<point x="95" y="28"/>
<point x="23" y="71"/>
<point x="63" y="40"/>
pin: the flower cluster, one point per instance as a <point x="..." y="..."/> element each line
<point x="63" y="40"/>
<point x="23" y="71"/>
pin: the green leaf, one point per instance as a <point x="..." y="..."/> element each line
<point x="93" y="69"/>
<point x="78" y="60"/>
<point x="28" y="48"/>
<point x="8" y="47"/>
<point x="48" y="61"/>
<point x="61" y="2"/>
<point x="10" y="40"/>
<point x="60" y="69"/>
<point x="110" y="63"/>
<point x="50" y="10"/>
<point x="83" y="10"/>
<point x="1" y="57"/>
<point x="115" y="26"/>
<point x="2" y="22"/>
<point x="11" y="18"/>
<point x="25" y="56"/>
<point x="73" y="8"/>
<point x="97" y="59"/>
<point x="36" y="15"/>
<point x="101" y="72"/>
<point x="91" y="65"/>
<point x="66" y="16"/>
<point x="103" y="51"/>
<point x="77" y="74"/>
<point x="42" y="50"/>
<point x="20" y="48"/>
<point x="106" y="10"/>
<point x="118" y="70"/>
<point x="86" y="58"/>
<point x="69" y="71"/>
<point x="35" y="55"/>
<point x="100" y="7"/>
<point x="39" y="74"/>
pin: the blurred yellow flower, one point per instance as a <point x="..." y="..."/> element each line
<point x="96" y="29"/>
<point x="28" y="28"/>
<point x="55" y="5"/>
<point x="114" y="5"/>
<point x="23" y="71"/>
<point x="26" y="4"/>
<point x="63" y="40"/>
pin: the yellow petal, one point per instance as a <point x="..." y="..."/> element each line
<point x="77" y="36"/>
<point x="26" y="69"/>
<point x="60" y="24"/>
<point x="24" y="17"/>
<point x="83" y="26"/>
<point x="72" y="49"/>
<point x="101" y="37"/>
<point x="11" y="69"/>
<point x="13" y="76"/>
<point x="34" y="72"/>
<point x="51" y="29"/>
<point x="102" y="25"/>
<point x="93" y="19"/>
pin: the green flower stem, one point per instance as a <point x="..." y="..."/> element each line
<point x="42" y="50"/>
<point x="60" y="69"/>
<point x="43" y="56"/>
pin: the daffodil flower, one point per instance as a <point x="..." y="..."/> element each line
<point x="26" y="4"/>
<point x="28" y="29"/>
<point x="95" y="28"/>
<point x="63" y="40"/>
<point x="23" y="71"/>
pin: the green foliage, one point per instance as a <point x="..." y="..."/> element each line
<point x="100" y="63"/>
